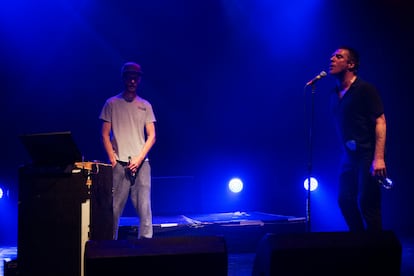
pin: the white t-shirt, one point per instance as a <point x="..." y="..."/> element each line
<point x="128" y="121"/>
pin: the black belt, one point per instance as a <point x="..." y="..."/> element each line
<point x="122" y="163"/>
<point x="126" y="163"/>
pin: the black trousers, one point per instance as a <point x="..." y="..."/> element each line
<point x="359" y="195"/>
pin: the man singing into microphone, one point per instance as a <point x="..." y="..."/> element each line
<point x="360" y="121"/>
<point x="128" y="134"/>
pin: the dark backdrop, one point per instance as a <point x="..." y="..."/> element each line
<point x="226" y="80"/>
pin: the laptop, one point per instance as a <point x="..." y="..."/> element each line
<point x="52" y="149"/>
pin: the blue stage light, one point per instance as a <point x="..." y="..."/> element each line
<point x="235" y="185"/>
<point x="313" y="186"/>
<point x="3" y="192"/>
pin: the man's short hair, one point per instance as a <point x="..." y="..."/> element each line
<point x="353" y="56"/>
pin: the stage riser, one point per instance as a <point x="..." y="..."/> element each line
<point x="239" y="238"/>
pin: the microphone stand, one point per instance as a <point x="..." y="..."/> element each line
<point x="310" y="147"/>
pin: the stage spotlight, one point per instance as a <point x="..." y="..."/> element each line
<point x="313" y="186"/>
<point x="235" y="185"/>
<point x="4" y="192"/>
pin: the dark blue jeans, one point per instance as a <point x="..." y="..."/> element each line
<point x="139" y="188"/>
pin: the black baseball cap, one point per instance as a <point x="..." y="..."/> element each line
<point x="131" y="67"/>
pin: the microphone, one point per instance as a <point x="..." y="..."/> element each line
<point x="385" y="182"/>
<point x="315" y="79"/>
<point x="129" y="162"/>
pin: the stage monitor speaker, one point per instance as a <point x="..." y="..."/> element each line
<point x="328" y="253"/>
<point x="186" y="255"/>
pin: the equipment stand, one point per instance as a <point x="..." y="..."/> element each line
<point x="310" y="147"/>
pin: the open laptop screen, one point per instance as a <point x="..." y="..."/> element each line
<point x="51" y="149"/>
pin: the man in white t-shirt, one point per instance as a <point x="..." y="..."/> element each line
<point x="128" y="134"/>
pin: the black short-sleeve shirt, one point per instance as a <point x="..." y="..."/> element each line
<point x="356" y="113"/>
